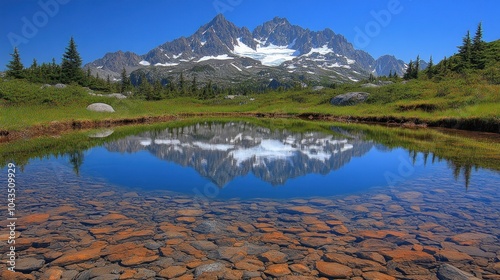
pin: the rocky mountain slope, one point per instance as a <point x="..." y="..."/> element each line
<point x="276" y="50"/>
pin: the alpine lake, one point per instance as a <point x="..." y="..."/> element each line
<point x="253" y="199"/>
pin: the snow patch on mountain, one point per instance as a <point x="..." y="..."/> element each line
<point x="270" y="55"/>
<point x="321" y="50"/>
<point x="166" y="64"/>
<point x="144" y="63"/>
<point x="219" y="57"/>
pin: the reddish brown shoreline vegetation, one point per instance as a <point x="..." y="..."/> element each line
<point x="55" y="128"/>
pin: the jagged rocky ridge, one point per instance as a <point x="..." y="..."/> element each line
<point x="222" y="152"/>
<point x="222" y="52"/>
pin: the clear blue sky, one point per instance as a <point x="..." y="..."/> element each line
<point x="425" y="27"/>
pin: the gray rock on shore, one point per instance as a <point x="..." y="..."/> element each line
<point x="350" y="98"/>
<point x="100" y="107"/>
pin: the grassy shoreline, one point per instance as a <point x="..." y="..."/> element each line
<point x="27" y="110"/>
<point x="56" y="128"/>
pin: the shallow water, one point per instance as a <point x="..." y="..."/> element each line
<point x="239" y="201"/>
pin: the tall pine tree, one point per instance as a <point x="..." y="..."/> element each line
<point x="414" y="74"/>
<point x="71" y="64"/>
<point x="465" y="51"/>
<point x="145" y="89"/>
<point x="409" y="71"/>
<point x="34" y="73"/>
<point x="194" y="87"/>
<point x="34" y="64"/>
<point x="157" y="93"/>
<point x="182" y="85"/>
<point x="430" y="71"/>
<point x="15" y="68"/>
<point x="125" y="85"/>
<point x="478" y="59"/>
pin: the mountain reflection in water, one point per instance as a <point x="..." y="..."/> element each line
<point x="222" y="152"/>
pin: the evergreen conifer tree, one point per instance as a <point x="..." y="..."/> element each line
<point x="55" y="72"/>
<point x="416" y="69"/>
<point x="157" y="93"/>
<point x="465" y="52"/>
<point x="145" y="88"/>
<point x="409" y="71"/>
<point x="194" y="87"/>
<point x="108" y="84"/>
<point x="478" y="59"/>
<point x="34" y="64"/>
<point x="15" y="68"/>
<point x="210" y="90"/>
<point x="172" y="89"/>
<point x="125" y="84"/>
<point x="430" y="71"/>
<point x="71" y="64"/>
<point x="34" y="73"/>
<point x="182" y="85"/>
<point x="444" y="64"/>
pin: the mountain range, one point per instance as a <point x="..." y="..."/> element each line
<point x="275" y="51"/>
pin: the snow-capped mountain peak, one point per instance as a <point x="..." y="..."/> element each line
<point x="276" y="46"/>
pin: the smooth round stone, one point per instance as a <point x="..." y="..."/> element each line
<point x="100" y="107"/>
<point x="334" y="270"/>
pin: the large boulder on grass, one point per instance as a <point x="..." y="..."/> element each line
<point x="350" y="98"/>
<point x="100" y="107"/>
<point x="60" y="86"/>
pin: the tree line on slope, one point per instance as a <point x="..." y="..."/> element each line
<point x="68" y="72"/>
<point x="475" y="57"/>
